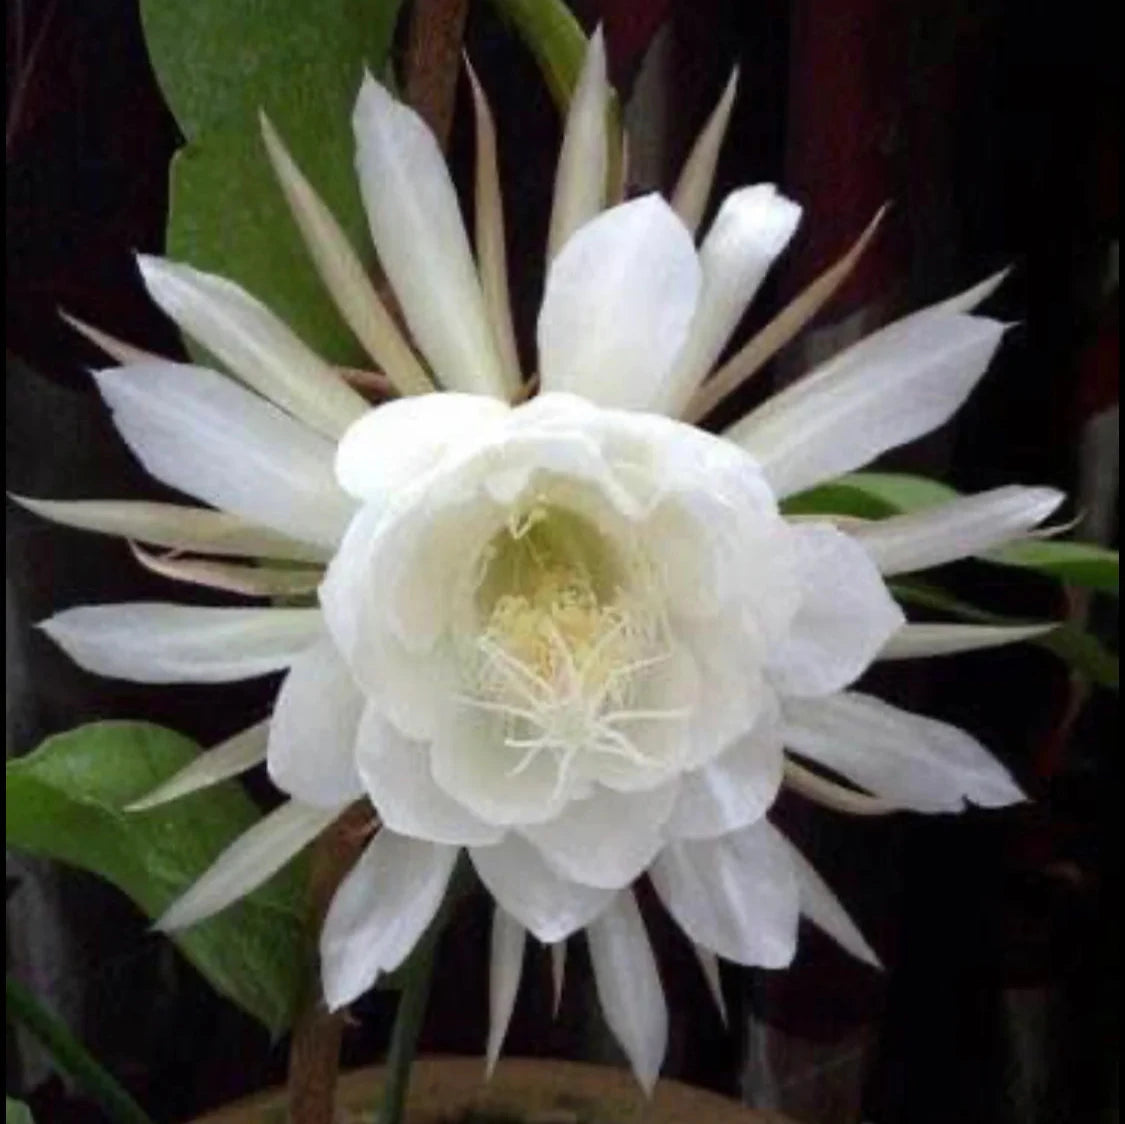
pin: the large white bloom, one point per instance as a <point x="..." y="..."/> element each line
<point x="573" y="636"/>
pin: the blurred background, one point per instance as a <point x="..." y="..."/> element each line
<point x="993" y="128"/>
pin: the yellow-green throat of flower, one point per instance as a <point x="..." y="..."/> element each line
<point x="565" y="637"/>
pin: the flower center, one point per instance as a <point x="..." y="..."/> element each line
<point x="566" y="633"/>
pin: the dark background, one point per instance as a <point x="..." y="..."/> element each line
<point x="994" y="129"/>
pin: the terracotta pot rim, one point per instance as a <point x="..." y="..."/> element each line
<point x="443" y="1084"/>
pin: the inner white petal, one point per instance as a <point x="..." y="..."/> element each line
<point x="551" y="612"/>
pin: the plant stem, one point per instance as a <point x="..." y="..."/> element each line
<point x="433" y="61"/>
<point x="408" y="1022"/>
<point x="314" y="1062"/>
<point x="70" y="1055"/>
<point x="314" y="1050"/>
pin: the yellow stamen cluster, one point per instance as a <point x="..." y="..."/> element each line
<point x="561" y="643"/>
<point x="560" y="632"/>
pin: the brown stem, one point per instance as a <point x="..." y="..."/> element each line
<point x="433" y="60"/>
<point x="314" y="1051"/>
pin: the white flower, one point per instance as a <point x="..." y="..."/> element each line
<point x="574" y="636"/>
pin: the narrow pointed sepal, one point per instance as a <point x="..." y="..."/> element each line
<point x="580" y="181"/>
<point x="961" y="528"/>
<point x="821" y="906"/>
<point x="228" y="759"/>
<point x="119" y="350"/>
<point x="752" y="356"/>
<point x="506" y="966"/>
<point x="492" y="255"/>
<point x="343" y="273"/>
<point x="181" y="528"/>
<point x="628" y="986"/>
<point x="558" y="976"/>
<point x="243" y="578"/>
<point x="916" y="641"/>
<point x="693" y="188"/>
<point x="709" y="966"/>
<point x="250" y="860"/>
<point x="253" y="344"/>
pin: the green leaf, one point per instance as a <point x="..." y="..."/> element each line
<point x="1077" y="563"/>
<point x="220" y="61"/>
<point x="870" y="495"/>
<point x="555" y="38"/>
<point x="65" y="800"/>
<point x="877" y="495"/>
<point x="1086" y="654"/>
<point x="557" y="41"/>
<point x="69" y="1056"/>
<point x="16" y="1113"/>
<point x="1073" y="645"/>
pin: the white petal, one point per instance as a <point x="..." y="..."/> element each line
<point x="196" y="529"/>
<point x="572" y="454"/>
<point x="957" y="306"/>
<point x="910" y="760"/>
<point x="628" y="986"/>
<point x="152" y="642"/>
<point x="396" y="773"/>
<point x="252" y="858"/>
<point x="492" y="255"/>
<point x="949" y="531"/>
<point x="548" y="906"/>
<point x="228" y="759"/>
<point x="753" y="226"/>
<point x="253" y="344"/>
<point x="607" y="839"/>
<point x="354" y="602"/>
<point x="343" y="274"/>
<point x="845" y="618"/>
<point x="399" y="570"/>
<point x="580" y="180"/>
<point x="734" y="698"/>
<point x="709" y="966"/>
<point x="617" y="305"/>
<point x="416" y="224"/>
<point x="823" y="908"/>
<point x="886" y="390"/>
<point x="393" y="578"/>
<point x="204" y="434"/>
<point x="732" y="791"/>
<point x="391" y="587"/>
<point x="381" y="908"/>
<point x="913" y="641"/>
<point x="391" y="447"/>
<point x="736" y="895"/>
<point x="313" y="731"/>
<point x="506" y="947"/>
<point x="693" y="188"/>
<point x="471" y="764"/>
<point x="413" y="691"/>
